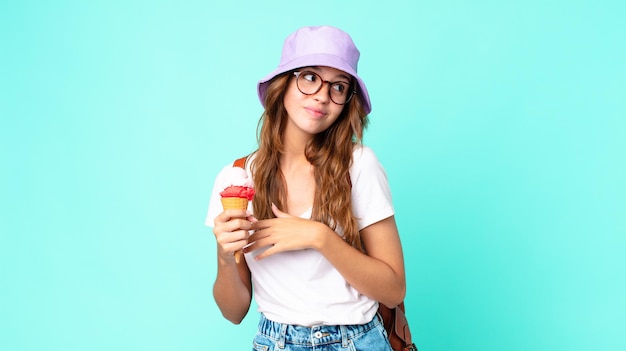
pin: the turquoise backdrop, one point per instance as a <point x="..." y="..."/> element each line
<point x="501" y="124"/>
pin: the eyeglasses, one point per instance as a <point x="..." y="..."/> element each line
<point x="310" y="83"/>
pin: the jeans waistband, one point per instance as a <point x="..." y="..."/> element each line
<point x="315" y="335"/>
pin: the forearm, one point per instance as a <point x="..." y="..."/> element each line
<point x="379" y="274"/>
<point x="373" y="277"/>
<point x="232" y="290"/>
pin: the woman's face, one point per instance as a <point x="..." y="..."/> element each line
<point x="314" y="113"/>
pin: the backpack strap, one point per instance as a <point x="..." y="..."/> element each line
<point x="240" y="162"/>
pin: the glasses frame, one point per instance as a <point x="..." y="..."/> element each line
<point x="351" y="89"/>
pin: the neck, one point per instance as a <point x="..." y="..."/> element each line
<point x="295" y="145"/>
<point x="293" y="153"/>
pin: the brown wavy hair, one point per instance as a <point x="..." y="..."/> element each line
<point x="330" y="153"/>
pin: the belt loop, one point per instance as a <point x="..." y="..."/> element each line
<point x="344" y="335"/>
<point x="281" y="337"/>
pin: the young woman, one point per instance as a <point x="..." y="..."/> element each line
<point x="324" y="248"/>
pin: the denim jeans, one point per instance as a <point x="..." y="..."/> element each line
<point x="274" y="336"/>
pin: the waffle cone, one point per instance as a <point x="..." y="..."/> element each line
<point x="235" y="203"/>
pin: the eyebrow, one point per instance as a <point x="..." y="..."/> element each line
<point x="340" y="75"/>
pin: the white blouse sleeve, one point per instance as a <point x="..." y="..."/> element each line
<point x="371" y="195"/>
<point x="215" y="204"/>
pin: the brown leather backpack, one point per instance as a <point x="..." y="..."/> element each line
<point x="397" y="327"/>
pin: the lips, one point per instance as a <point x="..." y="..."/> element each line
<point x="317" y="113"/>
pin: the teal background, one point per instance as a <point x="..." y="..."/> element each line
<point x="502" y="127"/>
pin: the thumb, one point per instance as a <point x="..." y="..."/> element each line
<point x="278" y="213"/>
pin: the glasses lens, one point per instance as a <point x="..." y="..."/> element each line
<point x="339" y="92"/>
<point x="310" y="83"/>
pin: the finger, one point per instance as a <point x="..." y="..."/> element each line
<point x="267" y="253"/>
<point x="234" y="246"/>
<point x="225" y="220"/>
<point x="258" y="241"/>
<point x="262" y="224"/>
<point x="228" y="252"/>
<point x="226" y="238"/>
<point x="227" y="215"/>
<point x="231" y="242"/>
<point x="278" y="213"/>
<point x="236" y="213"/>
<point x="232" y="226"/>
<point x="257" y="236"/>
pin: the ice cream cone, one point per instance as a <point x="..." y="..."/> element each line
<point x="237" y="191"/>
<point x="235" y="203"/>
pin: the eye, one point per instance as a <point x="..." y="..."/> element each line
<point x="309" y="77"/>
<point x="340" y="87"/>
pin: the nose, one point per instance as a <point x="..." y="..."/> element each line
<point x="323" y="95"/>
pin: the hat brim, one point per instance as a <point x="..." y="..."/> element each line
<point x="317" y="60"/>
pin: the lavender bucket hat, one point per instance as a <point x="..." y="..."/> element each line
<point x="319" y="46"/>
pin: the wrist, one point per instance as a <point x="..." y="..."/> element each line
<point x="322" y="236"/>
<point x="225" y="258"/>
